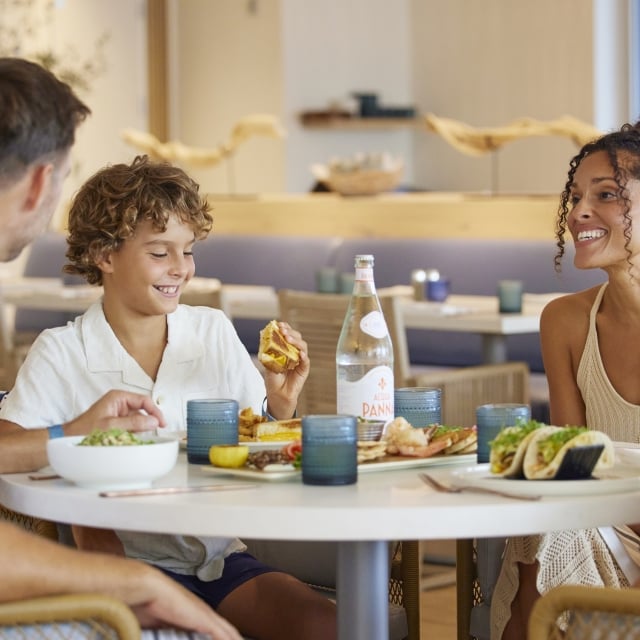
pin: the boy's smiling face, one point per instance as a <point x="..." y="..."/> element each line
<point x="151" y="268"/>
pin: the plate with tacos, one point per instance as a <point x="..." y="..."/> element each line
<point x="617" y="479"/>
<point x="536" y="451"/>
<point x="533" y="458"/>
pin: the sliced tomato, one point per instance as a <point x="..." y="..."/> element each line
<point x="292" y="449"/>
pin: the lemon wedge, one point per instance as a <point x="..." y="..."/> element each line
<point x="229" y="456"/>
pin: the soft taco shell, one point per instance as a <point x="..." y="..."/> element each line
<point x="533" y="470"/>
<point x="514" y="469"/>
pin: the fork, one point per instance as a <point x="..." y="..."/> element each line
<point x="443" y="488"/>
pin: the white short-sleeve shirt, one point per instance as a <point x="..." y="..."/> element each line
<point x="69" y="368"/>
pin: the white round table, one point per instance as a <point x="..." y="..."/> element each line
<point x="362" y="518"/>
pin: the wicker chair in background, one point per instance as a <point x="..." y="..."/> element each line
<point x="462" y="391"/>
<point x="594" y="613"/>
<point x="465" y="388"/>
<point x="319" y="317"/>
<point x="315" y="564"/>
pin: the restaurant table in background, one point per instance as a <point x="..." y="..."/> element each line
<point x="51" y="294"/>
<point x="475" y="314"/>
<point x="362" y="518"/>
<point x="464" y="313"/>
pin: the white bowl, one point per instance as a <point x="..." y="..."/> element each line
<point x="118" y="467"/>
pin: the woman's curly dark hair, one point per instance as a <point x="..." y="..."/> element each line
<point x="623" y="150"/>
<point x="109" y="207"/>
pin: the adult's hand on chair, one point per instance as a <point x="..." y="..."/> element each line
<point x="164" y="603"/>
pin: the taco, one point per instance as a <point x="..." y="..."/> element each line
<point x="549" y="445"/>
<point x="508" y="449"/>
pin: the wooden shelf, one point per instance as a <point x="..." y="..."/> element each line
<point x="364" y="124"/>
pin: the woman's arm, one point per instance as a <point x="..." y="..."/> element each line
<point x="562" y="330"/>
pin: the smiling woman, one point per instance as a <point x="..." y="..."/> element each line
<point x="591" y="357"/>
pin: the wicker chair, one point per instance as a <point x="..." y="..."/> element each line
<point x="69" y="617"/>
<point x="465" y="388"/>
<point x="315" y="564"/>
<point x="63" y="617"/>
<point x="594" y="613"/>
<point x="462" y="391"/>
<point x="319" y="317"/>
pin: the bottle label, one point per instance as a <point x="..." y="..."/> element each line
<point x="364" y="274"/>
<point x="371" y="397"/>
<point x="373" y="324"/>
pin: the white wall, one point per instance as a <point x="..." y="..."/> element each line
<point x="488" y="63"/>
<point x="117" y="98"/>
<point x="228" y="65"/>
<point x="331" y="49"/>
<point x="483" y="62"/>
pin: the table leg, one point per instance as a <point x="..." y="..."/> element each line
<point x="494" y="348"/>
<point x="363" y="590"/>
<point x="489" y="553"/>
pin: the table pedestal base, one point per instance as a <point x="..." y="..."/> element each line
<point x="363" y="590"/>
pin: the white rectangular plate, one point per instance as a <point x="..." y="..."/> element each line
<point x="618" y="479"/>
<point x="388" y="463"/>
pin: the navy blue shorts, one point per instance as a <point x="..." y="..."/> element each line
<point x="238" y="569"/>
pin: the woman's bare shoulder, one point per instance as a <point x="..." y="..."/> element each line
<point x="572" y="304"/>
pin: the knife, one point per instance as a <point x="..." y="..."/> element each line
<point x="156" y="491"/>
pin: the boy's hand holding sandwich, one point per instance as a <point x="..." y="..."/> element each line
<point x="283" y="353"/>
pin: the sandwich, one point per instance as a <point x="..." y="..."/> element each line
<point x="461" y="439"/>
<point x="549" y="446"/>
<point x="274" y="352"/>
<point x="272" y="431"/>
<point x="508" y="449"/>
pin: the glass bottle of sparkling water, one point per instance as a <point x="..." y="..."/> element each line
<point x="364" y="355"/>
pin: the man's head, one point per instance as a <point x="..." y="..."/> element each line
<point x="38" y="118"/>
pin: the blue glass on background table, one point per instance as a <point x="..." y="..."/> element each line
<point x="328" y="280"/>
<point x="438" y="290"/>
<point x="210" y="422"/>
<point x="420" y="406"/>
<point x="510" y="296"/>
<point x="329" y="449"/>
<point x="492" y="418"/>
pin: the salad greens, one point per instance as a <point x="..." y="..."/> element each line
<point x="112" y="438"/>
<point x="549" y="446"/>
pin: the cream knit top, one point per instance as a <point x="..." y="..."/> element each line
<point x="606" y="410"/>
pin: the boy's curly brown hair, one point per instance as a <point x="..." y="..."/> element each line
<point x="112" y="203"/>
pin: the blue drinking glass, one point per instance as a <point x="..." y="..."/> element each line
<point x="210" y="422"/>
<point x="329" y="449"/>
